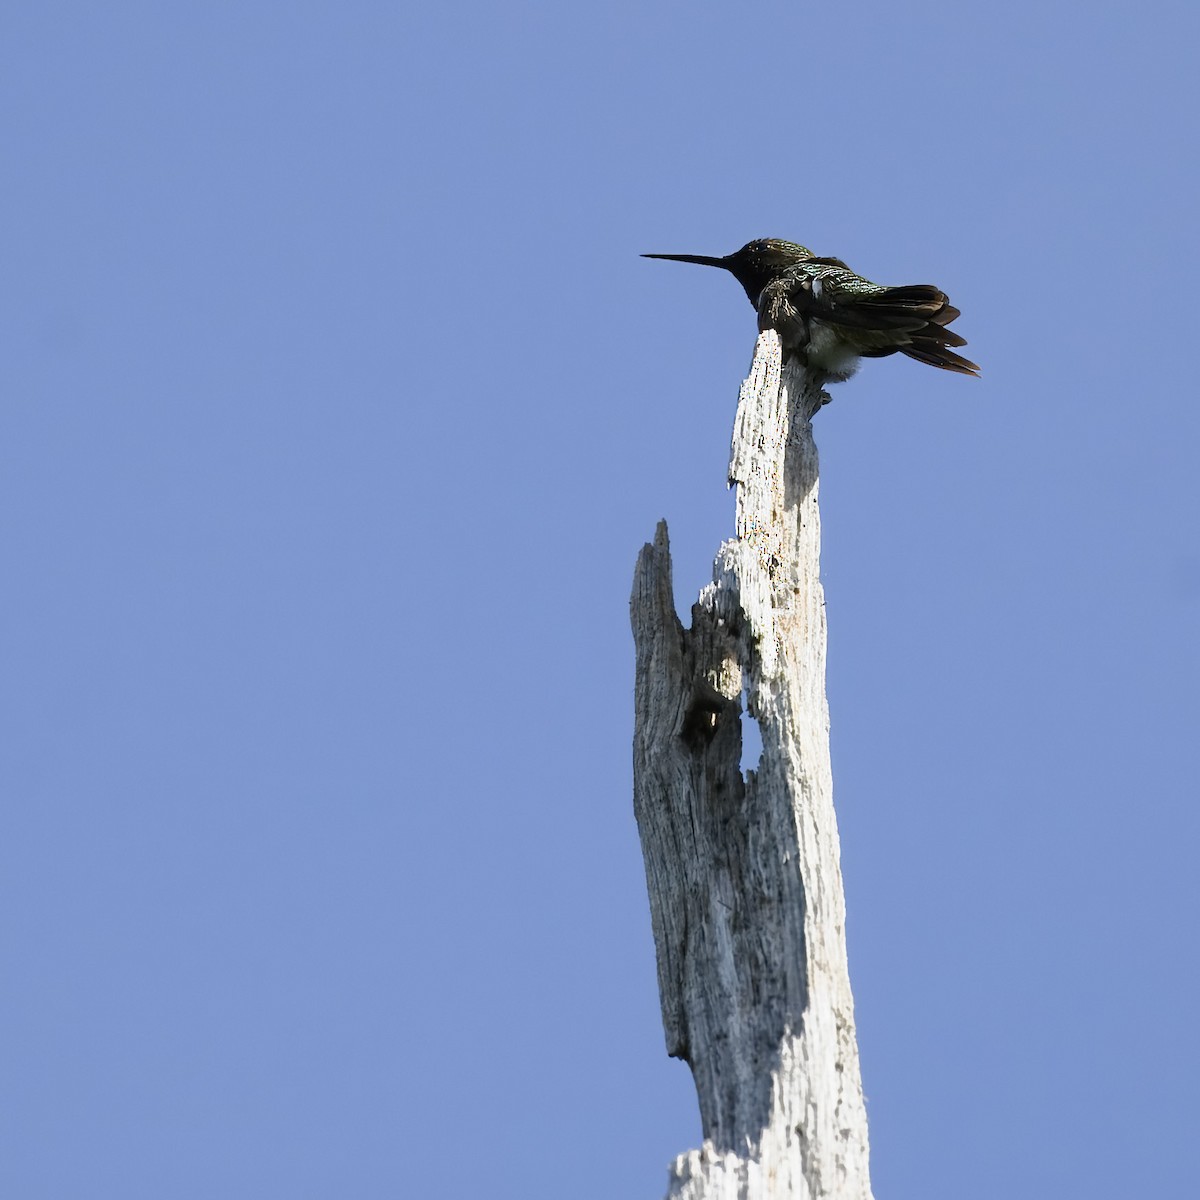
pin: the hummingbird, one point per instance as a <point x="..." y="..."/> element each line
<point x="830" y="318"/>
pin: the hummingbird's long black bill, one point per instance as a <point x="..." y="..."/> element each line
<point x="704" y="260"/>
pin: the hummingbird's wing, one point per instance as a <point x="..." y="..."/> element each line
<point x="875" y="320"/>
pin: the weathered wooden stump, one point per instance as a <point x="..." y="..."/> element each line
<point x="744" y="871"/>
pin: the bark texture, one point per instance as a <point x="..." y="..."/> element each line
<point x="743" y="871"/>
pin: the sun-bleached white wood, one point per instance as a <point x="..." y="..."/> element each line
<point x="743" y="871"/>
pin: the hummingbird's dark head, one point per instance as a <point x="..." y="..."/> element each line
<point x="772" y="254"/>
<point x="760" y="261"/>
<point x="754" y="265"/>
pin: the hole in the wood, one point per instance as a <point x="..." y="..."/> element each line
<point x="752" y="744"/>
<point x="700" y="724"/>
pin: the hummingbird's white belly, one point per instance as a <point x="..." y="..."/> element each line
<point x="828" y="353"/>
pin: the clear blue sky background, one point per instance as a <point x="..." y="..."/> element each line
<point x="336" y="407"/>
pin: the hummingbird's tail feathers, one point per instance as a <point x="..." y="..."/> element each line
<point x="933" y="351"/>
<point x="920" y="311"/>
<point x="944" y="337"/>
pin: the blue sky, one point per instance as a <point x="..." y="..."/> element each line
<point x="336" y="406"/>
